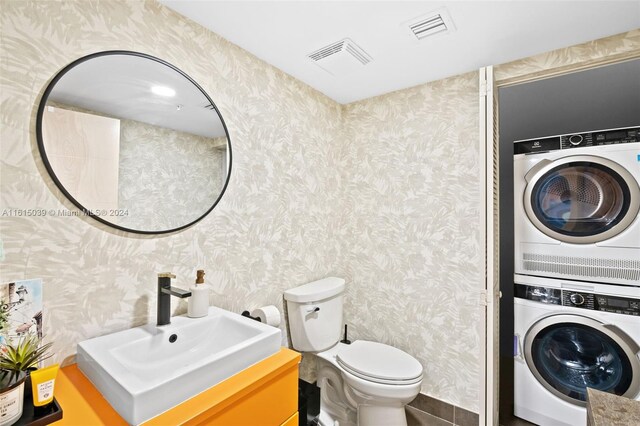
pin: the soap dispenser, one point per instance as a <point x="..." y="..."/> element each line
<point x="199" y="300"/>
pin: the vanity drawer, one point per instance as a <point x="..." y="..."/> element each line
<point x="291" y="421"/>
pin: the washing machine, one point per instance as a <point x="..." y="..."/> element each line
<point x="570" y="335"/>
<point x="576" y="205"/>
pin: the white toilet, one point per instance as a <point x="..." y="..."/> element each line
<point x="364" y="383"/>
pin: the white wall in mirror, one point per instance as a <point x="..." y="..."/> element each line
<point x="84" y="149"/>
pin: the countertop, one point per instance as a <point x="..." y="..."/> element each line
<point x="606" y="409"/>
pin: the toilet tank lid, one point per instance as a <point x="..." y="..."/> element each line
<point x="316" y="290"/>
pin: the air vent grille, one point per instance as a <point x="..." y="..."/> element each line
<point x="435" y="22"/>
<point x="430" y="26"/>
<point x="625" y="269"/>
<point x="327" y="51"/>
<point x="345" y="45"/>
<point x="358" y="54"/>
<point x="341" y="57"/>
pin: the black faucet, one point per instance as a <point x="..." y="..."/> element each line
<point x="165" y="291"/>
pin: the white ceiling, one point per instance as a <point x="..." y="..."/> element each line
<point x="120" y="86"/>
<point x="283" y="33"/>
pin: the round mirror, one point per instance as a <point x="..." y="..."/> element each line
<point x="134" y="142"/>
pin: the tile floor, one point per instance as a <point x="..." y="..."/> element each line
<point x="416" y="414"/>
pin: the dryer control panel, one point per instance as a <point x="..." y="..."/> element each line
<point x="579" y="299"/>
<point x="578" y="140"/>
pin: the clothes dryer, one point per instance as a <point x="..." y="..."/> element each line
<point x="576" y="206"/>
<point x="571" y="335"/>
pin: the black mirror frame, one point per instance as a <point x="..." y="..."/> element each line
<point x="59" y="184"/>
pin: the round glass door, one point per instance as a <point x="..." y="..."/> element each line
<point x="569" y="353"/>
<point x="582" y="199"/>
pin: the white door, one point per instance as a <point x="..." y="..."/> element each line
<point x="489" y="379"/>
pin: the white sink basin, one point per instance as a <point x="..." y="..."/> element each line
<point x="142" y="374"/>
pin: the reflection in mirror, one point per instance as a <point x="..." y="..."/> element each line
<point x="134" y="141"/>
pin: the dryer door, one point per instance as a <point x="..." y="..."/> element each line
<point x="581" y="199"/>
<point x="568" y="353"/>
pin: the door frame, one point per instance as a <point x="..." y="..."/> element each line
<point x="489" y="141"/>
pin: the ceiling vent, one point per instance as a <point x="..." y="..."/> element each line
<point x="433" y="23"/>
<point x="340" y="58"/>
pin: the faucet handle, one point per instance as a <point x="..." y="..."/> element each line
<point x="166" y="275"/>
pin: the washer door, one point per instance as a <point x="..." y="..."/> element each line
<point x="581" y="199"/>
<point x="568" y="353"/>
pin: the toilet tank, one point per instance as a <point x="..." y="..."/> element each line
<point x="315" y="314"/>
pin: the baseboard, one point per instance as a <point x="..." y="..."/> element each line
<point x="445" y="411"/>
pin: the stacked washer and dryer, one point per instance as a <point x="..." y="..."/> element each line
<point x="577" y="272"/>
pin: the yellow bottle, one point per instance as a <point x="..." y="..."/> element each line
<point x="42" y="384"/>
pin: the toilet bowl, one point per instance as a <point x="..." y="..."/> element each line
<point x="377" y="382"/>
<point x="363" y="383"/>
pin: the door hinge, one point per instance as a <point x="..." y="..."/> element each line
<point x="486" y="87"/>
<point x="483" y="298"/>
<point x="483" y="88"/>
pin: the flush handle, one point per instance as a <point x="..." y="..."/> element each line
<point x="313" y="310"/>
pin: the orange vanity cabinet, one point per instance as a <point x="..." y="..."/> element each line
<point x="265" y="394"/>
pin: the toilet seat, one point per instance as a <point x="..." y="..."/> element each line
<point x="379" y="363"/>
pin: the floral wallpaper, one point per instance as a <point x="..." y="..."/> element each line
<point x="412" y="203"/>
<point x="384" y="192"/>
<point x="606" y="49"/>
<point x="278" y="225"/>
<point x="413" y="208"/>
<point x="167" y="178"/>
